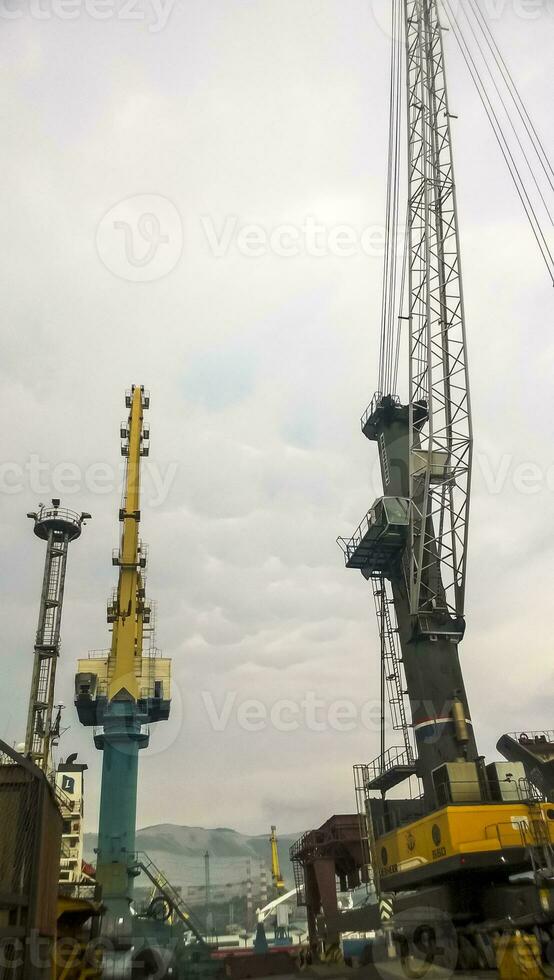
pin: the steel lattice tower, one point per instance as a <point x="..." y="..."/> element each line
<point x="439" y="413"/>
<point x="57" y="526"/>
<point x="414" y="538"/>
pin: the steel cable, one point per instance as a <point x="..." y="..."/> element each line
<point x="514" y="93"/>
<point x="505" y="107"/>
<point x="501" y="140"/>
<point x="390" y="260"/>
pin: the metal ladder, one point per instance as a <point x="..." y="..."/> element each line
<point x="299" y="881"/>
<point x="538" y="841"/>
<point x="392" y="661"/>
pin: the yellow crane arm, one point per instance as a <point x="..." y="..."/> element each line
<point x="278" y="882"/>
<point x="126" y="648"/>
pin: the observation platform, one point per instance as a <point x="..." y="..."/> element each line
<point x="389" y="770"/>
<point x="384" y="410"/>
<point x="60" y="520"/>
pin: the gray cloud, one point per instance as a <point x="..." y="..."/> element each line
<point x="259" y="369"/>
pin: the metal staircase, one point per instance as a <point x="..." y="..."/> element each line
<point x="173" y="898"/>
<point x="298" y="870"/>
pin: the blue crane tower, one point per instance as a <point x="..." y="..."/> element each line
<point x="123" y="692"/>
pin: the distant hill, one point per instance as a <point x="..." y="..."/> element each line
<point x="179" y="852"/>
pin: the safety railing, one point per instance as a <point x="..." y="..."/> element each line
<point x="528" y="792"/>
<point x="350" y="545"/>
<point x="508" y="834"/>
<point x="373" y="405"/>
<point x="541" y="737"/>
<point x="62" y="514"/>
<point x="364" y="821"/>
<point x="395" y="757"/>
<point x="142" y="862"/>
<point x="85" y="890"/>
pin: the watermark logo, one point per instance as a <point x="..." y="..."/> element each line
<point x="154" y="13"/>
<point x="458" y="10"/>
<point x="309" y="238"/>
<point x="140" y="239"/>
<point x="40" y="478"/>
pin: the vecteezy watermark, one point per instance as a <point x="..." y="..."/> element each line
<point x="496" y="475"/>
<point x="289" y="241"/>
<point x="309" y="713"/>
<point x="154" y="13"/>
<point x="140" y="239"/>
<point x="43" y="479"/>
<point x="496" y="9"/>
<point x="36" y="954"/>
<point x="492" y="10"/>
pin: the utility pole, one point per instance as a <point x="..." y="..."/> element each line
<point x="249" y="899"/>
<point x="207" y="892"/>
<point x="57" y="526"/>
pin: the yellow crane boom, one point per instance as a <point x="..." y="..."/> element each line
<point x="278" y="882"/>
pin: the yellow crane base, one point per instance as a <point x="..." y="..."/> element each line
<point x="461" y="838"/>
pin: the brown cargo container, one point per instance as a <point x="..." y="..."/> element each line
<point x="30" y="841"/>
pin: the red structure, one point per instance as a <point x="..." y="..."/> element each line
<point x="319" y="858"/>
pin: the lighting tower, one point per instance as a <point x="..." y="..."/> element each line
<point x="57" y="526"/>
<point x="125" y="690"/>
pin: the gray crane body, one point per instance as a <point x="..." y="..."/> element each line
<point x="430" y="656"/>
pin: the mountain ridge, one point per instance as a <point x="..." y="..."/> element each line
<point x="179" y="849"/>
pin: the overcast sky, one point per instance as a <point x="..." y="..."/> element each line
<point x="208" y="116"/>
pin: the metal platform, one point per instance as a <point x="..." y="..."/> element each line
<point x="378" y="542"/>
<point x="390" y="769"/>
<point x="385" y="409"/>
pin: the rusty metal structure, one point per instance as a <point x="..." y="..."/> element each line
<point x="319" y="857"/>
<point x="30" y="842"/>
